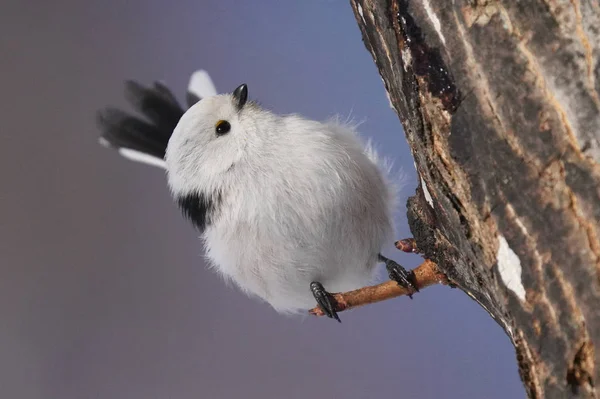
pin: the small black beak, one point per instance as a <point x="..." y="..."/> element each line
<point x="241" y="96"/>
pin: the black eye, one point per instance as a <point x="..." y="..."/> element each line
<point x="222" y="127"/>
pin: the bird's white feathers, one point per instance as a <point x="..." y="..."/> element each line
<point x="139" y="156"/>
<point x="201" y="84"/>
<point x="295" y="200"/>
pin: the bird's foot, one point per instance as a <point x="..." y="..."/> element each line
<point x="400" y="275"/>
<point x="324" y="300"/>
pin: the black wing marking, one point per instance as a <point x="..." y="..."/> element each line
<point x="200" y="208"/>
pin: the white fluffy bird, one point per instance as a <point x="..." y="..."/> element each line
<point x="286" y="206"/>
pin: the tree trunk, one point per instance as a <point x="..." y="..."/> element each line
<point x="500" y="105"/>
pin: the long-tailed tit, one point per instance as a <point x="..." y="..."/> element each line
<point x="285" y="205"/>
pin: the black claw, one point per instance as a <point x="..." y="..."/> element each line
<point x="400" y="275"/>
<point x="324" y="300"/>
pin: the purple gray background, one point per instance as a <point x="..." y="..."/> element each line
<point x="103" y="291"/>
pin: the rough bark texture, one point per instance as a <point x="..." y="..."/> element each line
<point x="500" y="104"/>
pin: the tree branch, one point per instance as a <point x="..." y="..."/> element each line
<point x="426" y="274"/>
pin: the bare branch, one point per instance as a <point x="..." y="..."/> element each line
<point x="426" y="274"/>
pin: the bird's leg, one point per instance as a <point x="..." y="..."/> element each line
<point x="407" y="245"/>
<point x="325" y="300"/>
<point x="400" y="275"/>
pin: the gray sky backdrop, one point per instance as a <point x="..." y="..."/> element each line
<point x="103" y="291"/>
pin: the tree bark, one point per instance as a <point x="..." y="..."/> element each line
<point x="500" y="104"/>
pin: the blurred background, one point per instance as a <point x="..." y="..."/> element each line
<point x="103" y="289"/>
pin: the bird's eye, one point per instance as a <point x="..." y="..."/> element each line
<point x="222" y="127"/>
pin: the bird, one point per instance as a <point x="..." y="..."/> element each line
<point x="288" y="208"/>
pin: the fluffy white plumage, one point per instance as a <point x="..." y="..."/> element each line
<point x="288" y="200"/>
<point x="201" y="84"/>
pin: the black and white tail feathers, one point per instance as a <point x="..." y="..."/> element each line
<point x="144" y="138"/>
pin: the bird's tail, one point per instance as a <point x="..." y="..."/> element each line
<point x="144" y="138"/>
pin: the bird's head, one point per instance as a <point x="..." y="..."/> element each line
<point x="211" y="138"/>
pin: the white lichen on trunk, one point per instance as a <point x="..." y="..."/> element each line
<point x="509" y="266"/>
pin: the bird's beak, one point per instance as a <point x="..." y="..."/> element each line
<point x="241" y="96"/>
